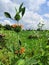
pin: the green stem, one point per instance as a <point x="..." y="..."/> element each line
<point x="18" y="40"/>
<point x="14" y="55"/>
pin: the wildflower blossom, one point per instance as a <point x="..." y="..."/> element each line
<point x="22" y="50"/>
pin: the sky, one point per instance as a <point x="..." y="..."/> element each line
<point x="36" y="11"/>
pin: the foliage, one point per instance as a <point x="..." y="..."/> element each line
<point x="7" y="15"/>
<point x="24" y="52"/>
<point x="2" y="40"/>
<point x="17" y="16"/>
<point x="20" y="8"/>
<point x="20" y="11"/>
<point x="40" y="25"/>
<point x="34" y="51"/>
<point x="7" y="27"/>
<point x="0" y="25"/>
<point x="32" y="37"/>
<point x="17" y="29"/>
<point x="38" y="29"/>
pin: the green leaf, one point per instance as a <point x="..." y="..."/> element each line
<point x="20" y="8"/>
<point x="31" y="61"/>
<point x="23" y="11"/>
<point x="21" y="62"/>
<point x="7" y="15"/>
<point x="17" y="16"/>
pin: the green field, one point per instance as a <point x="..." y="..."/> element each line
<point x="36" y="48"/>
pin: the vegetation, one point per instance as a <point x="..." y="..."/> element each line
<point x="40" y="25"/>
<point x="7" y="27"/>
<point x="17" y="16"/>
<point x="23" y="47"/>
<point x="34" y="51"/>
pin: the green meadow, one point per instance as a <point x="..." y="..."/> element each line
<point x="36" y="48"/>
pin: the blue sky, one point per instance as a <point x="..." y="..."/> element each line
<point x="36" y="10"/>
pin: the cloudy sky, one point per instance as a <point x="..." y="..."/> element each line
<point x="36" y="10"/>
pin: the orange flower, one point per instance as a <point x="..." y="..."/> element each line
<point x="15" y="25"/>
<point x="22" y="50"/>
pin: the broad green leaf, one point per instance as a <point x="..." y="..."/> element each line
<point x="7" y="14"/>
<point x="23" y="11"/>
<point x="20" y="8"/>
<point x="21" y="62"/>
<point x="17" y="17"/>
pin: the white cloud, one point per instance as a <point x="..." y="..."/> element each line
<point x="46" y="15"/>
<point x="31" y="17"/>
<point x="48" y="3"/>
<point x="5" y="1"/>
<point x="35" y="5"/>
<point x="5" y="22"/>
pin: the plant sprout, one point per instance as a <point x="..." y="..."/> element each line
<point x="19" y="14"/>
